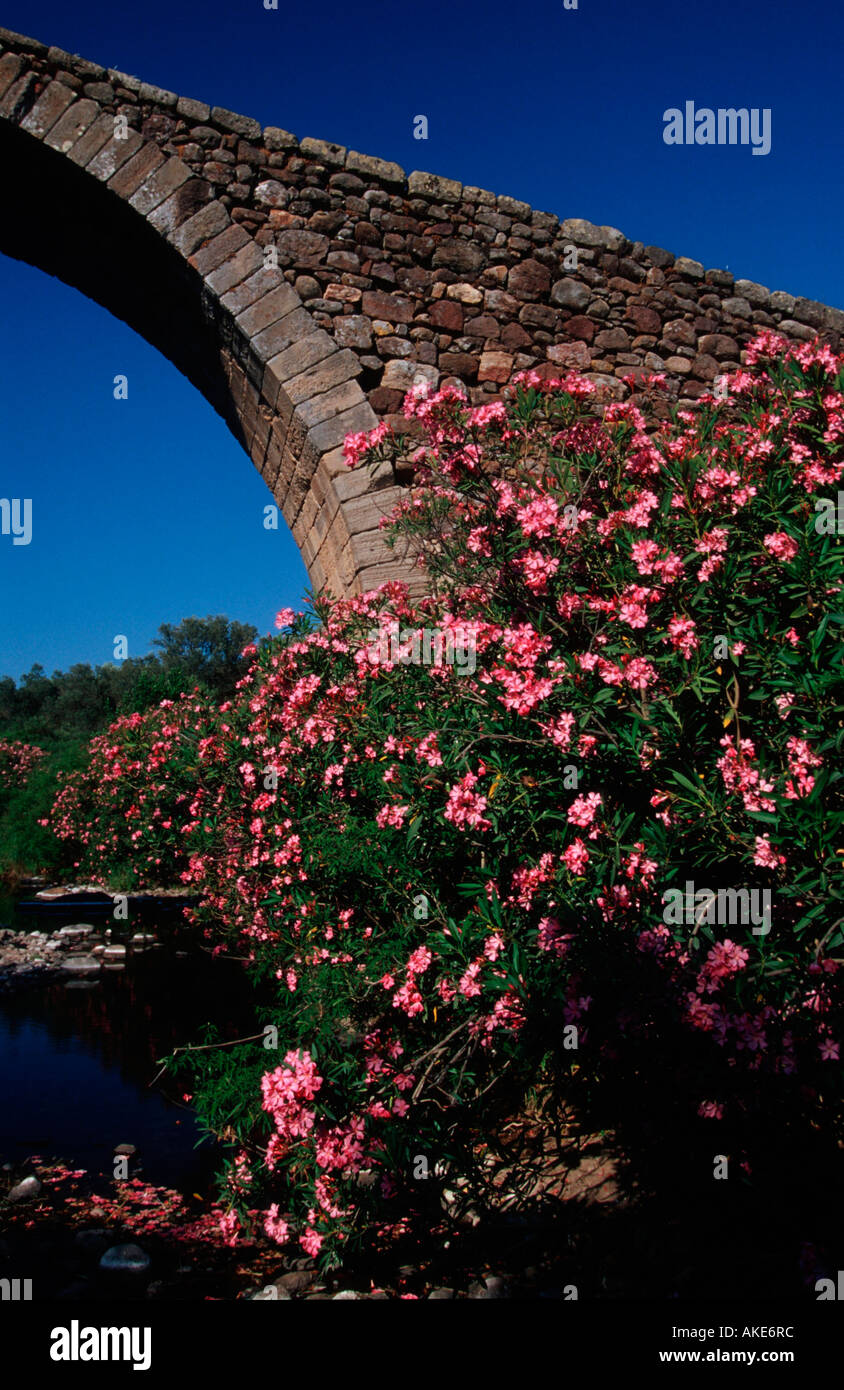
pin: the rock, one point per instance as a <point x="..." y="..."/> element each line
<point x="239" y="125"/>
<point x="81" y="965"/>
<point x="432" y="186"/>
<point x="529" y="279"/>
<point x="392" y="308"/>
<point x="719" y="345"/>
<point x="571" y="294"/>
<point x="345" y="1293"/>
<point x="296" y="1280"/>
<point x="272" y="194"/>
<point x="272" y="1293"/>
<point x="587" y="234"/>
<point x="112" y="953"/>
<point x="797" y="330"/>
<point x="402" y="375"/>
<point x="129" y="1150"/>
<point x="613" y="339"/>
<point x="465" y="294"/>
<point x="576" y="355"/>
<point x="125" y="1259"/>
<point x="692" y="270"/>
<point x="738" y="307"/>
<point x="757" y="295"/>
<point x="495" y="366"/>
<point x="302" y="245"/>
<point x="26" y="1189"/>
<point x="460" y="256"/>
<point x="810" y="311"/>
<point x="645" y="320"/>
<point x="353" y="331"/>
<point x="277" y="139"/>
<point x="441" y="1293"/>
<point x="783" y="302"/>
<point x="495" y="1286"/>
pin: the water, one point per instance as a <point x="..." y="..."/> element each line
<point x="77" y="1060"/>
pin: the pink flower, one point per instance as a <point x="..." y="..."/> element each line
<point x="583" y="809"/>
<point x="465" y="807"/>
<point x="276" y="1229"/>
<point x="310" y="1242"/>
<point x="767" y="857"/>
<point x="391" y="815"/>
<point x="682" y="635"/>
<point x="576" y="857"/>
<point x="780" y="545"/>
<point x="285" y="617"/>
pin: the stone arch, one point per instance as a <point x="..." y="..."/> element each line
<point x="382" y="278"/>
<point x="137" y="231"/>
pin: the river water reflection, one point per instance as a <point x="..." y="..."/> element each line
<point x="77" y="1059"/>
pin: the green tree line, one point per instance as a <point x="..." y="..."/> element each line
<point x="63" y="711"/>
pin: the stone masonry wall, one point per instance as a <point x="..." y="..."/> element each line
<point x="394" y="278"/>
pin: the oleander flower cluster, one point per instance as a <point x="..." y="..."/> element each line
<point x="17" y="760"/>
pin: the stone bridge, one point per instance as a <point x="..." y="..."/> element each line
<point x="303" y="287"/>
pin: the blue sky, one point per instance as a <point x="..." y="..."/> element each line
<point x="147" y="510"/>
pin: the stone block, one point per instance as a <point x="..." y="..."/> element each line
<point x="237" y="268"/>
<point x="371" y="168"/>
<point x="92" y="141"/>
<point x="323" y="151"/>
<point x="195" y="111"/>
<point x="224" y="245"/>
<point x="239" y="125"/>
<point x="129" y="178"/>
<point x="159" y="185"/>
<point x="52" y="103"/>
<point x="206" y="223"/>
<point x="72" y="125"/>
<point x="421" y="185"/>
<point x="114" y="155"/>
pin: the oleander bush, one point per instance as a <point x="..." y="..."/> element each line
<point x="612" y="809"/>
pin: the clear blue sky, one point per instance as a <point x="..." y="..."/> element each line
<point x="147" y="511"/>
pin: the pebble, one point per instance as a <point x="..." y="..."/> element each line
<point x="125" y="1259"/>
<point x="26" y="1189"/>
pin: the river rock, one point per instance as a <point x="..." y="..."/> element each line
<point x="125" y="1259"/>
<point x="81" y="965"/>
<point x="26" y="1189"/>
<point x="114" y="953"/>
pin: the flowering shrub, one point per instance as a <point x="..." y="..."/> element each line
<point x="16" y="762"/>
<point x="463" y="883"/>
<point x="125" y="810"/>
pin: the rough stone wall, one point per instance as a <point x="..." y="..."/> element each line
<point x="382" y="279"/>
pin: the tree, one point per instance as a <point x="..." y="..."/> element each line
<point x="206" y="650"/>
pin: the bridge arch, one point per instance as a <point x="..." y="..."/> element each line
<point x="302" y="287"/>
